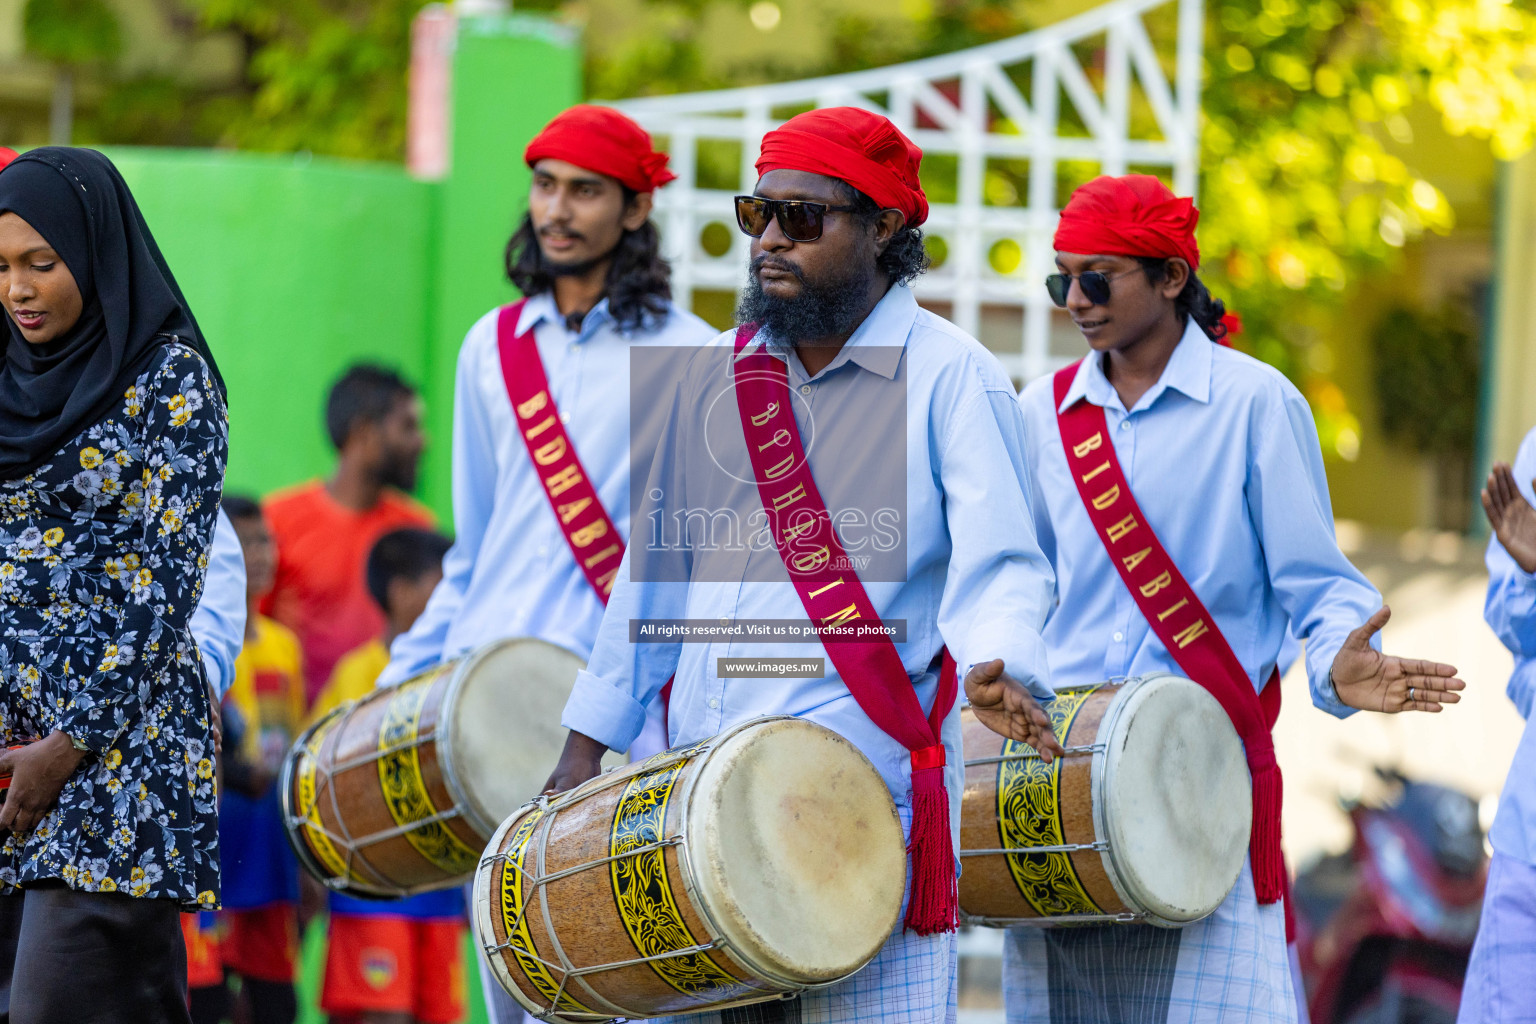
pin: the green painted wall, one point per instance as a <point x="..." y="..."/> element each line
<point x="299" y="266"/>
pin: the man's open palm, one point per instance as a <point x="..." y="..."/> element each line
<point x="1511" y="516"/>
<point x="1371" y="681"/>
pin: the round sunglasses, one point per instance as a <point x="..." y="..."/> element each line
<point x="1095" y="285"/>
<point x="800" y="221"/>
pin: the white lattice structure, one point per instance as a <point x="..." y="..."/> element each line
<point x="966" y="105"/>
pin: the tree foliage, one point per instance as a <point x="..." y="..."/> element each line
<point x="71" y="33"/>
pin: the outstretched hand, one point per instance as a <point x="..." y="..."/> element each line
<point x="1511" y="516"/>
<point x="1003" y="705"/>
<point x="1371" y="681"/>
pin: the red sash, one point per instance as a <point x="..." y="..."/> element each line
<point x="835" y="597"/>
<point x="595" y="542"/>
<point x="1177" y="617"/>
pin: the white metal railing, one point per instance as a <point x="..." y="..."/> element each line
<point x="964" y="105"/>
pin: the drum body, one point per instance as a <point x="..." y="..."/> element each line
<point x="397" y="793"/>
<point x="1145" y="820"/>
<point x="765" y="861"/>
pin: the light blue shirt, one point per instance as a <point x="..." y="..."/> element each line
<point x="218" y="624"/>
<point x="1223" y="458"/>
<point x="1511" y="611"/>
<point x="510" y="571"/>
<point x="907" y="385"/>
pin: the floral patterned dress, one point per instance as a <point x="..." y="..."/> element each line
<point x="102" y="556"/>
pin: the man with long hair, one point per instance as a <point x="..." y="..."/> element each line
<point x="875" y="454"/>
<point x="588" y="260"/>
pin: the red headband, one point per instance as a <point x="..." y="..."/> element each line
<point x="603" y="140"/>
<point x="856" y="146"/>
<point x="1134" y="215"/>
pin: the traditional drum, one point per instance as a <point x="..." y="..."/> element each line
<point x="758" y="864"/>
<point x="1146" y="819"/>
<point x="397" y="793"/>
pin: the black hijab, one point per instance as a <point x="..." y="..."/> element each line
<point x="80" y="204"/>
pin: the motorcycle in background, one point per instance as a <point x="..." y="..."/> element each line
<point x="1384" y="931"/>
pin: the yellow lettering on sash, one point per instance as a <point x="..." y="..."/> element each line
<point x="778" y="440"/>
<point x="591" y="561"/>
<point x="805" y="526"/>
<point x="1182" y="602"/>
<point x="822" y="590"/>
<point x="605" y="581"/>
<point x="526" y="410"/>
<point x="1132" y="561"/>
<point x="810" y="561"/>
<point x="543" y="425"/>
<point x="1163" y="581"/>
<point x="841" y="616"/>
<point x="1190" y="634"/>
<point x="552" y="452"/>
<point x="775" y="471"/>
<point x="584" y="537"/>
<point x="562" y="481"/>
<point x="1103" y="467"/>
<point x="766" y="415"/>
<point x="571" y="509"/>
<point x="1093" y="443"/>
<point x="1122" y="528"/>
<point x="789" y="497"/>
<point x="1107" y="499"/>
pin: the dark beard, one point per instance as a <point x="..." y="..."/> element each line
<point x="823" y="309"/>
<point x="399" y="472"/>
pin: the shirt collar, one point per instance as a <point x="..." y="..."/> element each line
<point x="1188" y="371"/>
<point x="541" y="308"/>
<point x="876" y="345"/>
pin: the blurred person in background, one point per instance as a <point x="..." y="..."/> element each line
<point x="113" y="439"/>
<point x="1501" y="977"/>
<point x="325" y="528"/>
<point x="588" y="259"/>
<point x="258" y="929"/>
<point x="393" y="961"/>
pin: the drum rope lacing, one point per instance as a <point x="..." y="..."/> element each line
<point x="1101" y="846"/>
<point x="1034" y="755"/>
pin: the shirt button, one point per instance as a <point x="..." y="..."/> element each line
<point x="1125" y="424"/>
<point x="565" y="417"/>
<point x="714" y="702"/>
<point x="805" y="389"/>
<point x="543" y="550"/>
<point x="1119" y="637"/>
<point x="724" y="621"/>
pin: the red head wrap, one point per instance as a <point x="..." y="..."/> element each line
<point x="603" y="140"/>
<point x="857" y="146"/>
<point x="1134" y="215"/>
<point x="6" y="156"/>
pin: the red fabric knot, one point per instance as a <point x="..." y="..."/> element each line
<point x="928" y="757"/>
<point x="603" y="140"/>
<point x="1133" y="215"/>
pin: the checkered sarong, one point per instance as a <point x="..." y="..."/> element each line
<point x="1502" y="973"/>
<point x="1230" y="967"/>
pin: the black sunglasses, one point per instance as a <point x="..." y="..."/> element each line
<point x="1095" y="285"/>
<point x="799" y="220"/>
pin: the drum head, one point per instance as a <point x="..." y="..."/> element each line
<point x="1176" y="799"/>
<point x="797" y="851"/>
<point x="503" y="725"/>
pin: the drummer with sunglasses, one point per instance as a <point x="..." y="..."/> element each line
<point x="1212" y="465"/>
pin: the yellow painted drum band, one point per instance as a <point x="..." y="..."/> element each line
<point x="405" y="794"/>
<point x="515" y="894"/>
<point x="643" y="892"/>
<point x="1029" y="814"/>
<point x="313" y="831"/>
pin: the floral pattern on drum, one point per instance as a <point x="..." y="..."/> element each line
<point x="405" y="791"/>
<point x="103" y="550"/>
<point x="1029" y="815"/>
<point x="516" y="891"/>
<point x="644" y="893"/>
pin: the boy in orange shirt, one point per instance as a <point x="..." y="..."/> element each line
<point x="264" y="712"/>
<point x="400" y="960"/>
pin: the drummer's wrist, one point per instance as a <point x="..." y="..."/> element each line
<point x="581" y="747"/>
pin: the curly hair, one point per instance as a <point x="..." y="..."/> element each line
<point x="1195" y="301"/>
<point x="639" y="285"/>
<point x="905" y="256"/>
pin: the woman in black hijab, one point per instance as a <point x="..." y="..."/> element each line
<point x="113" y="438"/>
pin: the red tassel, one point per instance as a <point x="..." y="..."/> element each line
<point x="1264" y="848"/>
<point x="934" y="903"/>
